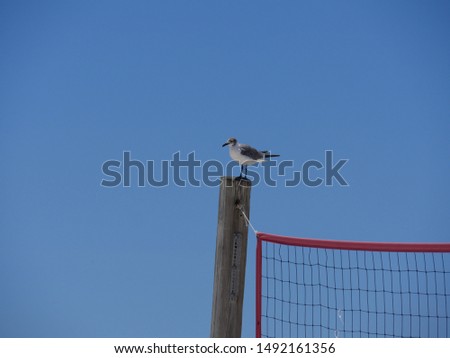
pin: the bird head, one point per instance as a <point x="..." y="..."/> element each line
<point x="231" y="141"/>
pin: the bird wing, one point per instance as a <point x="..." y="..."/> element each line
<point x="250" y="152"/>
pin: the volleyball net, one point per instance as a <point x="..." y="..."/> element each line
<point x="322" y="288"/>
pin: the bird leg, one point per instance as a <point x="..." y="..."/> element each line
<point x="243" y="174"/>
<point x="240" y="175"/>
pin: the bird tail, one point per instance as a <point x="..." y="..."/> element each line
<point x="268" y="155"/>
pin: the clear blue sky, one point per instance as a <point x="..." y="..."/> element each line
<point x="82" y="81"/>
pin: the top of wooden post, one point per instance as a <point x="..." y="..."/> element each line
<point x="231" y="181"/>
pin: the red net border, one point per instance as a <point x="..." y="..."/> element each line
<point x="332" y="244"/>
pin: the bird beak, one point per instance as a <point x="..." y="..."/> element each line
<point x="224" y="144"/>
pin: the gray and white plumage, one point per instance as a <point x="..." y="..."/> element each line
<point x="245" y="154"/>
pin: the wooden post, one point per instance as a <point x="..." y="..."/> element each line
<point x="231" y="256"/>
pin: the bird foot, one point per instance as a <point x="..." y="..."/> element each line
<point x="240" y="177"/>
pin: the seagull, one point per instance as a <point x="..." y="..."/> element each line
<point x="246" y="155"/>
